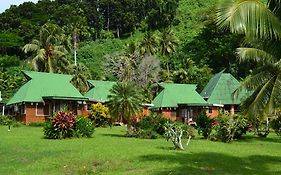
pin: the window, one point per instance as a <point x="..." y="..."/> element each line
<point x="184" y="113"/>
<point x="210" y="110"/>
<point x="22" y="109"/>
<point x="60" y="107"/>
<point x="89" y="107"/>
<point x="42" y="109"/>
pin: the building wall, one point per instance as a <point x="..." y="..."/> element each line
<point x="213" y="111"/>
<point x="30" y="115"/>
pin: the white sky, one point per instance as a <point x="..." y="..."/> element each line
<point x="5" y="4"/>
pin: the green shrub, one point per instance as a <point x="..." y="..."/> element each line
<point x="37" y="124"/>
<point x="204" y="124"/>
<point x="84" y="127"/>
<point x="153" y="122"/>
<point x="7" y="120"/>
<point x="65" y="125"/>
<point x="229" y="127"/>
<point x="276" y="125"/>
<point x="146" y="134"/>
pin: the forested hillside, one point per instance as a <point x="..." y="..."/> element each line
<point x="157" y="40"/>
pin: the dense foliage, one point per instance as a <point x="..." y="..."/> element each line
<point x="66" y="125"/>
<point x="204" y="124"/>
<point x="229" y="127"/>
<point x="173" y="36"/>
<point x="151" y="127"/>
<point x="100" y="115"/>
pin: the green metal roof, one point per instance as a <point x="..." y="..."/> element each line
<point x="99" y="90"/>
<point x="174" y="95"/>
<point x="42" y="86"/>
<point x="220" y="89"/>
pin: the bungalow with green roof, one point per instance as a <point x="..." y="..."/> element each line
<point x="219" y="93"/>
<point x="99" y="91"/>
<point x="179" y="102"/>
<point x="43" y="94"/>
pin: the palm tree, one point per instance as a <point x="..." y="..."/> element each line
<point x="125" y="102"/>
<point x="50" y="49"/>
<point x="80" y="76"/>
<point x="148" y="45"/>
<point x="168" y="42"/>
<point x="262" y="28"/>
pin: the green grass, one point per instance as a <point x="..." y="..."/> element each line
<point x="24" y="151"/>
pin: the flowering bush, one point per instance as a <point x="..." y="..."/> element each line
<point x="65" y="125"/>
<point x="100" y="115"/>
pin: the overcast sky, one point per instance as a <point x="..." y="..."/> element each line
<point x="5" y="4"/>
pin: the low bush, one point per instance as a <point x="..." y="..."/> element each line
<point x="37" y="124"/>
<point x="151" y="127"/>
<point x="204" y="124"/>
<point x="229" y="127"/>
<point x="66" y="125"/>
<point x="9" y="121"/>
<point x="276" y="125"/>
<point x="6" y="120"/>
<point x="100" y="115"/>
<point x="84" y="127"/>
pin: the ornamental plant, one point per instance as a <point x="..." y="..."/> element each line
<point x="229" y="128"/>
<point x="100" y="115"/>
<point x="66" y="125"/>
<point x="61" y="126"/>
<point x="176" y="132"/>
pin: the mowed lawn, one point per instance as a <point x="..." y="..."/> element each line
<point x="24" y="151"/>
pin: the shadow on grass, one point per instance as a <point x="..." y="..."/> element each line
<point x="115" y="135"/>
<point x="254" y="138"/>
<point x="215" y="163"/>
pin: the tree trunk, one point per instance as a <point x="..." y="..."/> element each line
<point x="168" y="70"/>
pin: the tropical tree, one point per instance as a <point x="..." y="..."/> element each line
<point x="80" y="76"/>
<point x="168" y="42"/>
<point x="148" y="46"/>
<point x="261" y="25"/>
<point x="125" y="102"/>
<point x="50" y="49"/>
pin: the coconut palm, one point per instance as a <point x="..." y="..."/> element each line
<point x="49" y="49"/>
<point x="125" y="102"/>
<point x="262" y="28"/>
<point x="148" y="45"/>
<point x="168" y="42"/>
<point x="80" y="76"/>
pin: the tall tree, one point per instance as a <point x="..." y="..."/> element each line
<point x="149" y="44"/>
<point x="125" y="102"/>
<point x="168" y="42"/>
<point x="262" y="28"/>
<point x="80" y="76"/>
<point x="49" y="49"/>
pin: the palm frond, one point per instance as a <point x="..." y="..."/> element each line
<point x="249" y="17"/>
<point x="30" y="48"/>
<point x="256" y="55"/>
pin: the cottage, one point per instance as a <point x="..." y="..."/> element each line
<point x="99" y="91"/>
<point x="43" y="94"/>
<point x="219" y="93"/>
<point x="179" y="102"/>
